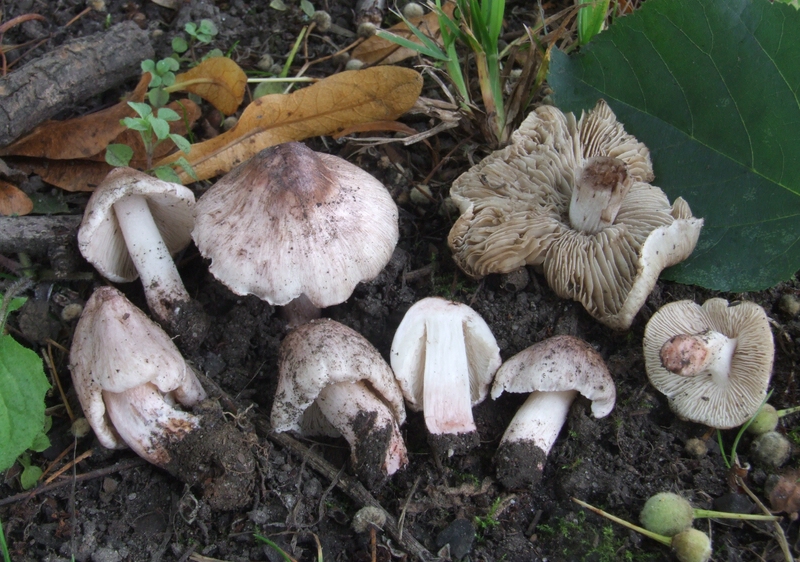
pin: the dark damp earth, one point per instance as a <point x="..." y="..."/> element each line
<point x="130" y="511"/>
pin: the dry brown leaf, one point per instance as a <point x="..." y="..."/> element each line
<point x="218" y="80"/>
<point x="81" y="137"/>
<point x="377" y="50"/>
<point x="327" y="107"/>
<point x="13" y="201"/>
<point x="70" y="175"/>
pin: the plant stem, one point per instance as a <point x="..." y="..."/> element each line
<point x="3" y="545"/>
<point x="656" y="537"/>
<point x="707" y="513"/>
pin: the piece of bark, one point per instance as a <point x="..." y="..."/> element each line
<point x="35" y="235"/>
<point x="74" y="72"/>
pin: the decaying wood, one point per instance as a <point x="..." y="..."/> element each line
<point x="69" y="75"/>
<point x="35" y="235"/>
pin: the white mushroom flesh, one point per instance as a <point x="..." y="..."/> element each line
<point x="444" y="357"/>
<point x="147" y="421"/>
<point x="344" y="403"/>
<point x="599" y="189"/>
<point x="446" y="385"/>
<point x="540" y="419"/>
<point x="160" y="278"/>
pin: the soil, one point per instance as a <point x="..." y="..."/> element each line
<point x="124" y="509"/>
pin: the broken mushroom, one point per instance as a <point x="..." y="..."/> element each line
<point x="554" y="371"/>
<point x="296" y="227"/>
<point x="444" y="357"/>
<point x="131" y="382"/>
<point x="713" y="362"/>
<point x="573" y="198"/>
<point x="133" y="225"/>
<point x="333" y="382"/>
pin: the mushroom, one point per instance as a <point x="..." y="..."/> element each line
<point x="132" y="226"/>
<point x="296" y="227"/>
<point x="573" y="198"/>
<point x="333" y="382"/>
<point x="554" y="371"/>
<point x="713" y="362"/>
<point x="444" y="357"/>
<point x="131" y="379"/>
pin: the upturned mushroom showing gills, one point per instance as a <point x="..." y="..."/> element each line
<point x="132" y="382"/>
<point x="444" y="357"/>
<point x="554" y="371"/>
<point x="296" y="228"/>
<point x="574" y="199"/>
<point x="132" y="226"/>
<point x="334" y="383"/>
<point x="713" y="362"/>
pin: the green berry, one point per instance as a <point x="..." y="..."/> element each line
<point x="667" y="514"/>
<point x="771" y="449"/>
<point x="764" y="421"/>
<point x="691" y="545"/>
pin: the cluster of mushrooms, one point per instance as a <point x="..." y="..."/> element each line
<point x="300" y="229"/>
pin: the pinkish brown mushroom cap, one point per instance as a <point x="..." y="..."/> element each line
<point x="292" y="222"/>
<point x="333" y="382"/>
<point x="129" y="376"/>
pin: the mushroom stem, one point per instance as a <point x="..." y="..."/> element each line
<point x="708" y="352"/>
<point x="599" y="189"/>
<point x="300" y="310"/>
<point x="147" y="421"/>
<point x="367" y="424"/>
<point x="540" y="419"/>
<point x="446" y="387"/>
<point x="162" y="284"/>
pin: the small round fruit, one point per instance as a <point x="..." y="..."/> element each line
<point x="666" y="514"/>
<point x="764" y="421"/>
<point x="691" y="545"/>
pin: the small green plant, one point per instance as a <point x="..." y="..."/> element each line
<point x="3" y="545"/>
<point x="153" y="129"/>
<point x="476" y="24"/>
<point x="203" y="33"/>
<point x="23" y="385"/>
<point x="591" y="17"/>
<point x="282" y="553"/>
<point x="733" y="460"/>
<point x="162" y="76"/>
<point x="484" y="523"/>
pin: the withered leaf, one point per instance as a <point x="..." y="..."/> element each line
<point x="13" y="201"/>
<point x="377" y="50"/>
<point x="218" y="80"/>
<point x="327" y="107"/>
<point x="81" y="137"/>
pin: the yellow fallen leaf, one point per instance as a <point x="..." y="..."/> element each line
<point x="377" y="50"/>
<point x="13" y="201"/>
<point x="218" y="80"/>
<point x="327" y="107"/>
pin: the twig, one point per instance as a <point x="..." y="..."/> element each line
<point x="70" y="464"/>
<point x="119" y="467"/>
<point x="348" y="485"/>
<point x="779" y="534"/>
<point x="402" y="519"/>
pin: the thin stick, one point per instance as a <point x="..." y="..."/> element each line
<point x="779" y="534"/>
<point x="70" y="464"/>
<point x="48" y="358"/>
<point x="348" y="485"/>
<point x="57" y="459"/>
<point x="133" y="463"/>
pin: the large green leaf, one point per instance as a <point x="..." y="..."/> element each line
<point x="711" y="86"/>
<point x="23" y="385"/>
